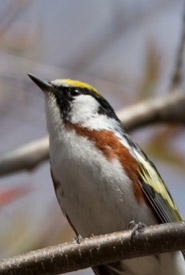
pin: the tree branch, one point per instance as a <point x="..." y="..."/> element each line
<point x="97" y="250"/>
<point x="176" y="78"/>
<point x="25" y="157"/>
<point x="166" y="109"/>
<point x="169" y="108"/>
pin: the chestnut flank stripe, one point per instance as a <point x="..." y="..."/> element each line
<point x="111" y="146"/>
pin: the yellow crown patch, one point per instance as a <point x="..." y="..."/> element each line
<point x="79" y="84"/>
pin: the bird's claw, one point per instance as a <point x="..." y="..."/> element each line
<point x="78" y="238"/>
<point x="136" y="227"/>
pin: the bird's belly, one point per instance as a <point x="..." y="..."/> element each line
<point x="95" y="193"/>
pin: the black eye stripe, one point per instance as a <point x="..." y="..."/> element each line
<point x="67" y="94"/>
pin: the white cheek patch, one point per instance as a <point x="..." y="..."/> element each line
<point x="83" y="108"/>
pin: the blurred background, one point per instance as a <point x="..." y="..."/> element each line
<point x="126" y="49"/>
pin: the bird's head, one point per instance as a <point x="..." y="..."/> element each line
<point x="76" y="102"/>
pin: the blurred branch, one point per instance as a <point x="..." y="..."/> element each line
<point x="97" y="250"/>
<point x="176" y="78"/>
<point x="169" y="108"/>
<point x="25" y="157"/>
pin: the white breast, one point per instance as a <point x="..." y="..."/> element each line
<point x="95" y="193"/>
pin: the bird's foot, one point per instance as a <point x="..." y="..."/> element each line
<point x="78" y="238"/>
<point x="136" y="227"/>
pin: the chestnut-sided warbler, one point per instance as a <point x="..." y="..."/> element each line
<point x="102" y="178"/>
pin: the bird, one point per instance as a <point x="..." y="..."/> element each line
<point x="102" y="178"/>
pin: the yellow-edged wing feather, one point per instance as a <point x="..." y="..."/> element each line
<point x="156" y="190"/>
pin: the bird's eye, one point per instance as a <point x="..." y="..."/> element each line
<point x="75" y="92"/>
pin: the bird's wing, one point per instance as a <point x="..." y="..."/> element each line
<point x="155" y="189"/>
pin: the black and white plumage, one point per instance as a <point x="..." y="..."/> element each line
<point x="102" y="178"/>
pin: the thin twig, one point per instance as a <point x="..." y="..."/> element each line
<point x="169" y="108"/>
<point x="176" y="78"/>
<point x="97" y="250"/>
